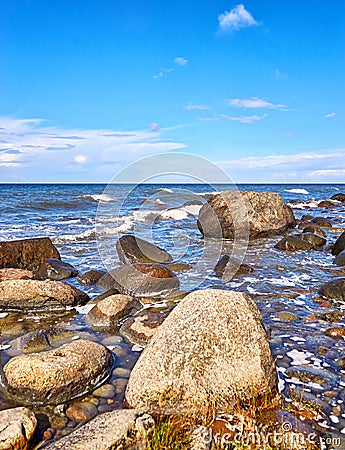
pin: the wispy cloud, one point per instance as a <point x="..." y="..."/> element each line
<point x="180" y="61"/>
<point x="162" y="73"/>
<point x="329" y="173"/>
<point x="154" y="126"/>
<point x="236" y="19"/>
<point x="192" y="107"/>
<point x="39" y="152"/>
<point x="279" y="75"/>
<point x="330" y="115"/>
<point x="245" y="119"/>
<point x="253" y="103"/>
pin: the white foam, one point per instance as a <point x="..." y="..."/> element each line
<point x="4" y="347"/>
<point x="303" y="205"/>
<point x="101" y="198"/>
<point x="297" y="191"/>
<point x="84" y="309"/>
<point x="298" y="357"/>
<point x="3" y="315"/>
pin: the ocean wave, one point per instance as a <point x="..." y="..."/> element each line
<point x="100" y="198"/>
<point x="297" y="191"/>
<point x="86" y="235"/>
<point x="303" y="205"/>
<point x="169" y="191"/>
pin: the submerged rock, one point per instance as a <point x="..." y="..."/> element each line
<point x="263" y="212"/>
<point x="58" y="375"/>
<point x="132" y="249"/>
<point x="140" y="329"/>
<point x="322" y="222"/>
<point x="40" y="340"/>
<point x="314" y="239"/>
<point x="120" y="429"/>
<point x="16" y="274"/>
<point x="293" y="243"/>
<point x="211" y="349"/>
<point x="80" y="411"/>
<point x="37" y="294"/>
<point x="54" y="269"/>
<point x="316" y="229"/>
<point x="17" y="428"/>
<point x="109" y="311"/>
<point x="26" y="253"/>
<point x="339" y="197"/>
<point x="91" y="277"/>
<point x="334" y="290"/>
<point x="231" y="266"/>
<point x="339" y="245"/>
<point x="141" y="280"/>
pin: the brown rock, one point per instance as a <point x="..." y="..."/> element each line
<point x="80" y="411"/>
<point x="141" y="280"/>
<point x="293" y="243"/>
<point x="91" y="277"/>
<point x="54" y="269"/>
<point x="57" y="375"/>
<point x="339" y="197"/>
<point x="334" y="290"/>
<point x="27" y="253"/>
<point x="140" y="329"/>
<point x="17" y="427"/>
<point x="120" y="429"/>
<point x="339" y="245"/>
<point x="132" y="249"/>
<point x="16" y="274"/>
<point x="36" y="294"/>
<point x="229" y="266"/>
<point x="109" y="311"/>
<point x="263" y="212"/>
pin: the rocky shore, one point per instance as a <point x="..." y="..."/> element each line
<point x="204" y="355"/>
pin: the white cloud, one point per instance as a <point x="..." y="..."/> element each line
<point x="236" y="19"/>
<point x="326" y="173"/>
<point x="191" y="107"/>
<point x="180" y="61"/>
<point x="330" y="115"/>
<point x="303" y="161"/>
<point x="38" y="152"/>
<point x="254" y="102"/>
<point x="154" y="126"/>
<point x="245" y="119"/>
<point x="80" y="159"/>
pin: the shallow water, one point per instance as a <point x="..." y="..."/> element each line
<point x="84" y="224"/>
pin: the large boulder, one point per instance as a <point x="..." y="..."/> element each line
<point x="232" y="214"/>
<point x="27" y="253"/>
<point x="141" y="280"/>
<point x="37" y="294"/>
<point x="108" y="312"/>
<point x="16" y="274"/>
<point x="17" y="428"/>
<point x="132" y="249"/>
<point x="57" y="375"/>
<point x="211" y="350"/>
<point x="120" y="429"/>
<point x="334" y="290"/>
<point x="339" y="245"/>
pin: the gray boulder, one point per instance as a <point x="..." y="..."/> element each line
<point x="340" y="259"/>
<point x="232" y="213"/>
<point x="54" y="269"/>
<point x="132" y="249"/>
<point x="211" y="350"/>
<point x="58" y="375"/>
<point x="17" y="427"/>
<point x="37" y="294"/>
<point x="121" y="429"/>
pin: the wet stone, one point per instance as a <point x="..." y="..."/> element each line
<point x="340" y="259"/>
<point x="81" y="411"/>
<point x="91" y="277"/>
<point x="121" y="372"/>
<point x="335" y="333"/>
<point x="287" y="316"/>
<point x="105" y="391"/>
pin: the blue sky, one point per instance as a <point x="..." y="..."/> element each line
<point x="88" y="87"/>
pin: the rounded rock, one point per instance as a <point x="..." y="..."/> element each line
<point x="58" y="375"/>
<point x="17" y="427"/>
